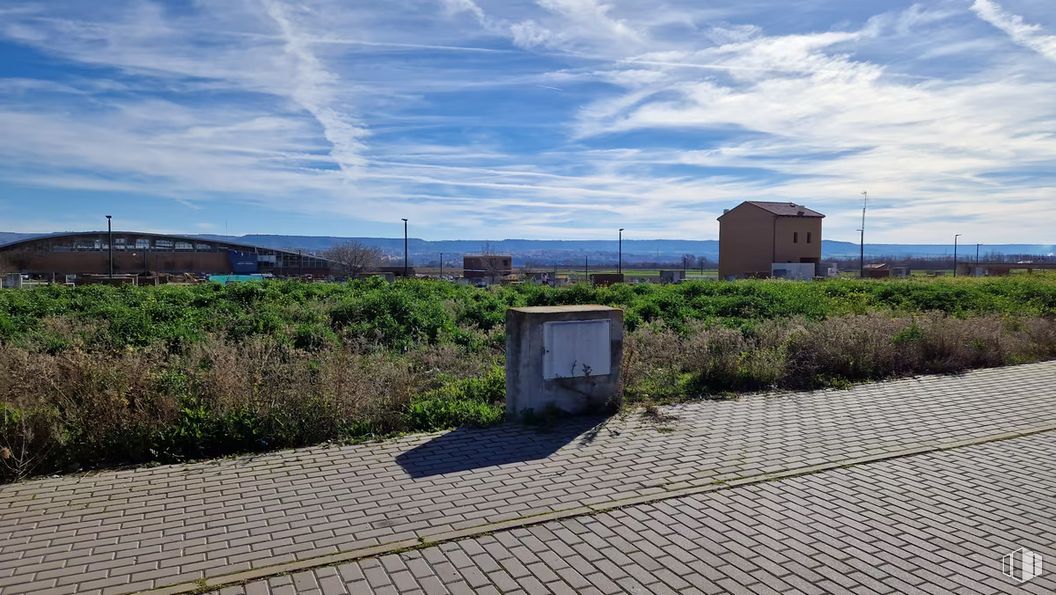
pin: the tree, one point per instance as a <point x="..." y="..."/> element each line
<point x="494" y="266"/>
<point x="356" y="258"/>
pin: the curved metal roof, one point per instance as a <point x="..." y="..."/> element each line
<point x="144" y="234"/>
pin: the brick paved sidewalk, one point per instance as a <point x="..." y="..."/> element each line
<point x="934" y="523"/>
<point x="137" y="529"/>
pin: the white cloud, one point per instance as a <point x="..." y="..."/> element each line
<point x="312" y="89"/>
<point x="1024" y="33"/>
<point x="665" y="115"/>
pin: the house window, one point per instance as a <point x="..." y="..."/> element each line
<point x="808" y="237"/>
<point x="795" y="237"/>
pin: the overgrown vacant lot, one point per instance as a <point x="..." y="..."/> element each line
<point x="98" y="376"/>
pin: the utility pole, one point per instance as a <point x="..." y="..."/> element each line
<point x="955" y="236"/>
<point x="110" y="245"/>
<point x="404" y="248"/>
<point x="619" y="266"/>
<point x="441" y="265"/>
<point x="586" y="267"/>
<point x="861" y="242"/>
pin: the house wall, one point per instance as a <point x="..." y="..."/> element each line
<point x="789" y="250"/>
<point x="487" y="266"/>
<point x="746" y="242"/>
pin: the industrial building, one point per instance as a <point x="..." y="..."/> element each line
<point x="491" y="268"/>
<point x="756" y="235"/>
<point x="1001" y="269"/>
<point x="135" y="253"/>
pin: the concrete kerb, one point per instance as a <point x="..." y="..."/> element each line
<point x="242" y="577"/>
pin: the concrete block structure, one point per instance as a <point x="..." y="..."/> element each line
<point x="755" y="234"/>
<point x="563" y="357"/>
<point x="793" y="271"/>
<point x="606" y="279"/>
<point x="676" y="276"/>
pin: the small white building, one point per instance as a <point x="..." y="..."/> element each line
<point x="799" y="271"/>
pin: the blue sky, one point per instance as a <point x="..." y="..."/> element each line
<point x="528" y="118"/>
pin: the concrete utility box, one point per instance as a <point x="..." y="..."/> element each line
<point x="800" y="271"/>
<point x="567" y="357"/>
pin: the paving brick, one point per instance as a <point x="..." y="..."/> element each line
<point x="302" y="503"/>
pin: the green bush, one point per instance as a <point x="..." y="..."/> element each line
<point x="470" y="401"/>
<point x="96" y="375"/>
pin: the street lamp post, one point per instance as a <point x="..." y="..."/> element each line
<point x="955" y="236"/>
<point x="404" y="248"/>
<point x="619" y="265"/>
<point x="861" y="241"/>
<point x="110" y="245"/>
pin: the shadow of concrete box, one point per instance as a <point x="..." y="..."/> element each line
<point x="566" y="358"/>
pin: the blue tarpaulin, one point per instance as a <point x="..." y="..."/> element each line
<point x="225" y="279"/>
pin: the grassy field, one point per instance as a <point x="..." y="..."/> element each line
<point x="95" y="376"/>
<point x="579" y="273"/>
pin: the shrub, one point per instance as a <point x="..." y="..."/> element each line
<point x="97" y="375"/>
<point x="803" y="353"/>
<point x="470" y="401"/>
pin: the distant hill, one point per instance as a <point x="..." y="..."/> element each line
<point x="9" y="236"/>
<point x="600" y="252"/>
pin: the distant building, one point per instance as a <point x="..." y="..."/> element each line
<point x="876" y="270"/>
<point x="606" y="279"/>
<point x="487" y="267"/>
<point x="392" y="271"/>
<point x="755" y="234"/>
<point x="672" y="276"/>
<point x="794" y="271"/>
<point x="882" y="270"/>
<point x="138" y="253"/>
<point x="1000" y="269"/>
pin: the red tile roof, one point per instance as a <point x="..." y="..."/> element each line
<point x="785" y="209"/>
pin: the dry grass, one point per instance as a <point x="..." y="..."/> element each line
<point x="797" y="353"/>
<point x="66" y="402"/>
<point x="76" y="408"/>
